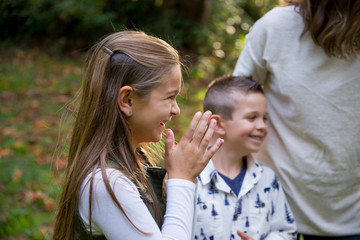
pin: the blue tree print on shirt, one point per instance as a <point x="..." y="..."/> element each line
<point x="232" y="236"/>
<point x="202" y="233"/>
<point x="238" y="211"/>
<point x="214" y="212"/>
<point x="199" y="201"/>
<point x="226" y="201"/>
<point x="212" y="188"/>
<point x="258" y="203"/>
<point x="275" y="183"/>
<point x="289" y="219"/>
<point x="247" y="223"/>
<point x="262" y="237"/>
<point x="239" y="208"/>
<point x="272" y="208"/>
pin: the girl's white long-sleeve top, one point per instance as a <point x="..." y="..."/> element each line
<point x="107" y="219"/>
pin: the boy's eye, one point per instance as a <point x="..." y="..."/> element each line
<point x="266" y="117"/>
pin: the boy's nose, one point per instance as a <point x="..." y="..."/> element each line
<point x="261" y="124"/>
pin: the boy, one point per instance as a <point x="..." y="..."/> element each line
<point x="234" y="192"/>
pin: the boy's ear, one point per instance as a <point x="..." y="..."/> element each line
<point x="125" y="100"/>
<point x="219" y="128"/>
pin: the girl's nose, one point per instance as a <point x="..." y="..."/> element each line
<point x="175" y="110"/>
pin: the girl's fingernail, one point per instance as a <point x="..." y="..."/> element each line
<point x="213" y="122"/>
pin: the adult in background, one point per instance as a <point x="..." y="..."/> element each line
<point x="306" y="54"/>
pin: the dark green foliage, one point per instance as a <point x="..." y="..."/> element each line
<point x="68" y="25"/>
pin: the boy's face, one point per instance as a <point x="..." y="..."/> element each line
<point x="247" y="129"/>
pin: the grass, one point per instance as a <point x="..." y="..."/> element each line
<point x="33" y="89"/>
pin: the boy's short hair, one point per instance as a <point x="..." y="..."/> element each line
<point x="219" y="94"/>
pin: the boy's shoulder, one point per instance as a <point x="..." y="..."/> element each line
<point x="270" y="177"/>
<point x="266" y="172"/>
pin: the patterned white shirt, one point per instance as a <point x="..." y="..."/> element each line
<point x="261" y="209"/>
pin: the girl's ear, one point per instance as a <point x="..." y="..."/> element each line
<point x="125" y="100"/>
<point x="219" y="129"/>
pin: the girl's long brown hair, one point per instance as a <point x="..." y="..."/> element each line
<point x="334" y="25"/>
<point x="101" y="131"/>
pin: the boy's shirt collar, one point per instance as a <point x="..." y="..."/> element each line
<point x="252" y="176"/>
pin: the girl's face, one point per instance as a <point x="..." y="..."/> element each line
<point x="151" y="114"/>
<point x="247" y="129"/>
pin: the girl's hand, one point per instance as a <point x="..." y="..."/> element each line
<point x="189" y="157"/>
<point x="243" y="235"/>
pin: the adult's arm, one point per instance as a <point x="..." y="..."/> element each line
<point x="251" y="61"/>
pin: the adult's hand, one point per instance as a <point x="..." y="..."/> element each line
<point x="243" y="235"/>
<point x="189" y="157"/>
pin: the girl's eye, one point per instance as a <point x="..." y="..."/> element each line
<point x="252" y="117"/>
<point x="172" y="97"/>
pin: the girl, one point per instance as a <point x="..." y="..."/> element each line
<point x="112" y="190"/>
